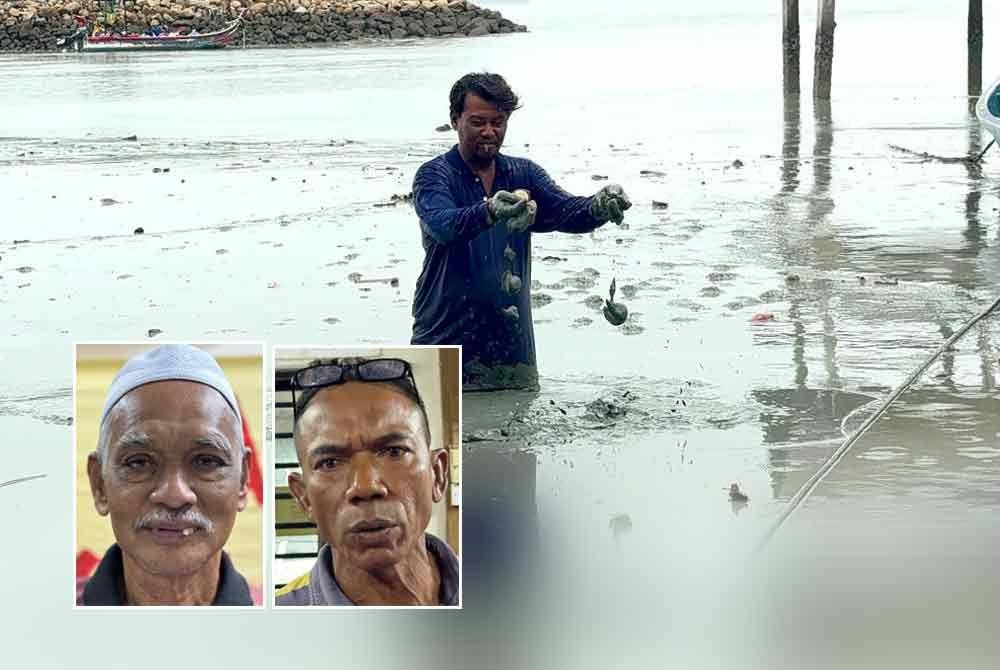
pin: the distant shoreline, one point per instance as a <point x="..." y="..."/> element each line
<point x="36" y="25"/>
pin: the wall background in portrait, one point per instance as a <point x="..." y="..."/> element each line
<point x="437" y="374"/>
<point x="96" y="366"/>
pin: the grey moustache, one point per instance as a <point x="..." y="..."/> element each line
<point x="188" y="517"/>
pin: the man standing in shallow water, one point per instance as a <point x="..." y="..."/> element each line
<point x="171" y="471"/>
<point x="474" y="289"/>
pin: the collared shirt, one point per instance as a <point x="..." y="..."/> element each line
<point x="107" y="585"/>
<point x="459" y="297"/>
<point x="319" y="586"/>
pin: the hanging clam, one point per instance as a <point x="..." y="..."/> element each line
<point x="511" y="283"/>
<point x="615" y="312"/>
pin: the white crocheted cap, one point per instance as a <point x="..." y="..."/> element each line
<point x="170" y="362"/>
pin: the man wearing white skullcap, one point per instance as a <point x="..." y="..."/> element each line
<point x="170" y="470"/>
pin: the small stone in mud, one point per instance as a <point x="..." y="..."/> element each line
<point x="618" y="240"/>
<point x="354" y="277"/>
<point x="107" y="202"/>
<point x="183" y="181"/>
<point x="792" y="278"/>
<point x="394" y="282"/>
<point x="443" y="128"/>
<point x="599" y="177"/>
<point x="124" y="276"/>
<point x="331" y="320"/>
<point x="157" y="170"/>
<point x="652" y="173"/>
<point x="153" y="332"/>
<point x="540" y="299"/>
<point x="554" y="259"/>
<point x="711" y="292"/>
<point x="885" y="280"/>
<point x="721" y="276"/>
<point x="774" y="295"/>
<point x="659" y="204"/>
<point x="21" y="241"/>
<point x="737" y="163"/>
<point x="25" y="269"/>
<point x="139" y="231"/>
<point x="274" y="179"/>
<point x="130" y="138"/>
<point x="221" y="252"/>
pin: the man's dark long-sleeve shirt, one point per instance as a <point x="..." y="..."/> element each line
<point x="459" y="297"/>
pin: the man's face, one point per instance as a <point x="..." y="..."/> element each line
<point x="175" y="476"/>
<point x="369" y="479"/>
<point x="481" y="129"/>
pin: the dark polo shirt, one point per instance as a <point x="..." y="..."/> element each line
<point x="107" y="585"/>
<point x="319" y="586"/>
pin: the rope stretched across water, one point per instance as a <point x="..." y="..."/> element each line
<point x="825" y="469"/>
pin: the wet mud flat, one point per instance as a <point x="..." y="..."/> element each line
<point x="778" y="281"/>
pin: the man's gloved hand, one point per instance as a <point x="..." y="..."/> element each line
<point x="609" y="204"/>
<point x="521" y="222"/>
<point x="504" y="206"/>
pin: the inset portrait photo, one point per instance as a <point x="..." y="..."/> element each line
<point x="367" y="482"/>
<point x="169" y="493"/>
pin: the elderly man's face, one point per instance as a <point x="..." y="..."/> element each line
<point x="369" y="479"/>
<point x="175" y="476"/>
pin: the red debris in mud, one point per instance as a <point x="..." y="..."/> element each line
<point x="763" y="317"/>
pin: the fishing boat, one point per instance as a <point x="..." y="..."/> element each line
<point x="81" y="40"/>
<point x="988" y="109"/>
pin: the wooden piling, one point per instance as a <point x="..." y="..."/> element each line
<point x="823" y="71"/>
<point x="790" y="45"/>
<point x="975" y="37"/>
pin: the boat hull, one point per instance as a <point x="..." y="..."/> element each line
<point x="81" y="42"/>
<point x="988" y="109"/>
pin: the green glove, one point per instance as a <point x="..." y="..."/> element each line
<point x="504" y="205"/>
<point x="609" y="204"/>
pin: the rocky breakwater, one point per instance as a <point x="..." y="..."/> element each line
<point x="35" y="25"/>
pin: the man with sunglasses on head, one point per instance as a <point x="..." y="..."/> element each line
<point x="171" y="471"/>
<point x="477" y="210"/>
<point x="369" y="481"/>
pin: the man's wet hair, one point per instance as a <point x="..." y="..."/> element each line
<point x="406" y="386"/>
<point x="490" y="87"/>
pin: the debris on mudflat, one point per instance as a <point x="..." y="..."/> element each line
<point x="443" y="128"/>
<point x="737" y="163"/>
<point x="619" y="525"/>
<point x="599" y="177"/>
<point x="792" y="278"/>
<point x="652" y="173"/>
<point x="762" y="317"/>
<point x="735" y="495"/>
<point x="659" y="204"/>
<point x="107" y="202"/>
<point x="153" y="332"/>
<point x="886" y="280"/>
<point x="139" y="231"/>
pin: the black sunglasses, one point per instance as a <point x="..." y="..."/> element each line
<point x="319" y="375"/>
